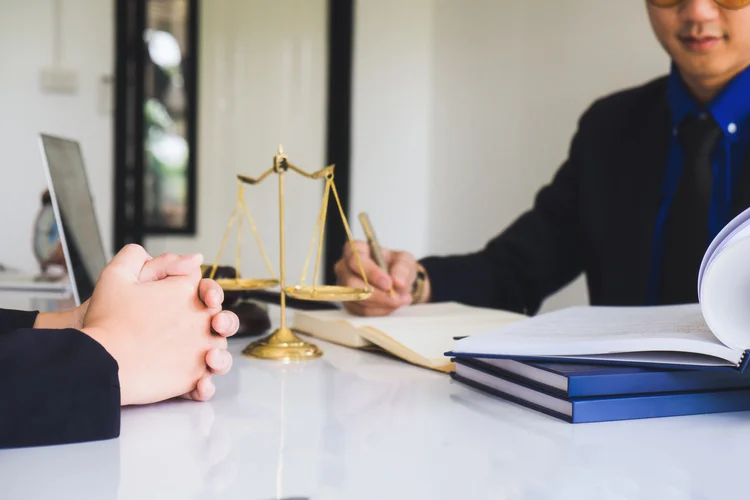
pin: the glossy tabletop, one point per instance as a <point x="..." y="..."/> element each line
<point x="357" y="425"/>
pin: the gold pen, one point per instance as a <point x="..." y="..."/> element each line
<point x="377" y="252"/>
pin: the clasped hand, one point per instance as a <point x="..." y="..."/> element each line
<point x="160" y="321"/>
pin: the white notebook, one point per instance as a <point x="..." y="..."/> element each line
<point x="713" y="332"/>
<point x="419" y="334"/>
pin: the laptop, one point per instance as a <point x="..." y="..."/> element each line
<point x="73" y="206"/>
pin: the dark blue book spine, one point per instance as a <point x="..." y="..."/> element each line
<point x="587" y="410"/>
<point x="612" y="408"/>
<point x="603" y="384"/>
<point x="607" y="381"/>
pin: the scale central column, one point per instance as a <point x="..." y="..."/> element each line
<point x="282" y="281"/>
<point x="283" y="344"/>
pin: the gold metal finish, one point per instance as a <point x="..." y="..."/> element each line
<point x="327" y="292"/>
<point x="375" y="249"/>
<point x="239" y="284"/>
<point x="283" y="344"/>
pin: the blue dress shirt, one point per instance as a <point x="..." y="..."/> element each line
<point x="731" y="110"/>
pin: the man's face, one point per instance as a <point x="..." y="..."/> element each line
<point x="709" y="43"/>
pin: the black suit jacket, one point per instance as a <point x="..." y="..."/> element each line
<point x="58" y="386"/>
<point x="597" y="216"/>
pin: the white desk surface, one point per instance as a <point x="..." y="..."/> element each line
<point x="355" y="425"/>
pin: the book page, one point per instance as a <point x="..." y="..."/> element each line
<point x="738" y="228"/>
<point x="434" y="312"/>
<point x="330" y="325"/>
<point x="431" y="338"/>
<point x="725" y="291"/>
<point x="426" y="329"/>
<point x="586" y="330"/>
<point x="657" y="358"/>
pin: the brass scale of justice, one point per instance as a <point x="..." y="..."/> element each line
<point x="283" y="344"/>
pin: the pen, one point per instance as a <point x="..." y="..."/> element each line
<point x="377" y="252"/>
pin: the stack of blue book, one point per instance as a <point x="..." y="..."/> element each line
<point x="583" y="393"/>
<point x="597" y="363"/>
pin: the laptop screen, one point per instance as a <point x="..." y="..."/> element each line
<point x="72" y="200"/>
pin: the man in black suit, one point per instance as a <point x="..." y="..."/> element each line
<point x="152" y="330"/>
<point x="653" y="174"/>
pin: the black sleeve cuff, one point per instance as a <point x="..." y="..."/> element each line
<point x="11" y="321"/>
<point x="60" y="387"/>
<point x="469" y="279"/>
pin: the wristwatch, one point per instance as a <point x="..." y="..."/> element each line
<point x="417" y="289"/>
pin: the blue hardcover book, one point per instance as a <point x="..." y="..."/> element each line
<point x="603" y="408"/>
<point x="586" y="380"/>
<point x="711" y="334"/>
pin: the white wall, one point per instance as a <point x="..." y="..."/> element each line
<point x="506" y="82"/>
<point x="391" y="109"/>
<point x="26" y="47"/>
<point x="262" y="82"/>
<point x="461" y="109"/>
<point x="263" y="74"/>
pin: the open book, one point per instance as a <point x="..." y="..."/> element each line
<point x="419" y="334"/>
<point x="713" y="333"/>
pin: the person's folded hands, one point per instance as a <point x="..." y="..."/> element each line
<point x="157" y="318"/>
<point x="224" y="323"/>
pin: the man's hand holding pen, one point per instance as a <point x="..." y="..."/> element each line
<point x="401" y="273"/>
<point x="396" y="277"/>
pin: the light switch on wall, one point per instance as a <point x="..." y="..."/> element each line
<point x="106" y="97"/>
<point x="59" y="80"/>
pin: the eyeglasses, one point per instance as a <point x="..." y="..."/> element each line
<point x="727" y="4"/>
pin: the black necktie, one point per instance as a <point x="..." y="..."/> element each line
<point x="686" y="235"/>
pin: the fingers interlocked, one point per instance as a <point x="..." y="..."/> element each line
<point x="224" y="324"/>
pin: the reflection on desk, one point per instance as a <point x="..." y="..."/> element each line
<point x="357" y="425"/>
<point x="35" y="300"/>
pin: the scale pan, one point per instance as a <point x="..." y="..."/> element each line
<point x="236" y="285"/>
<point x="327" y="292"/>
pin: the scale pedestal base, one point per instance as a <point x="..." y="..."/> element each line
<point x="282" y="345"/>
